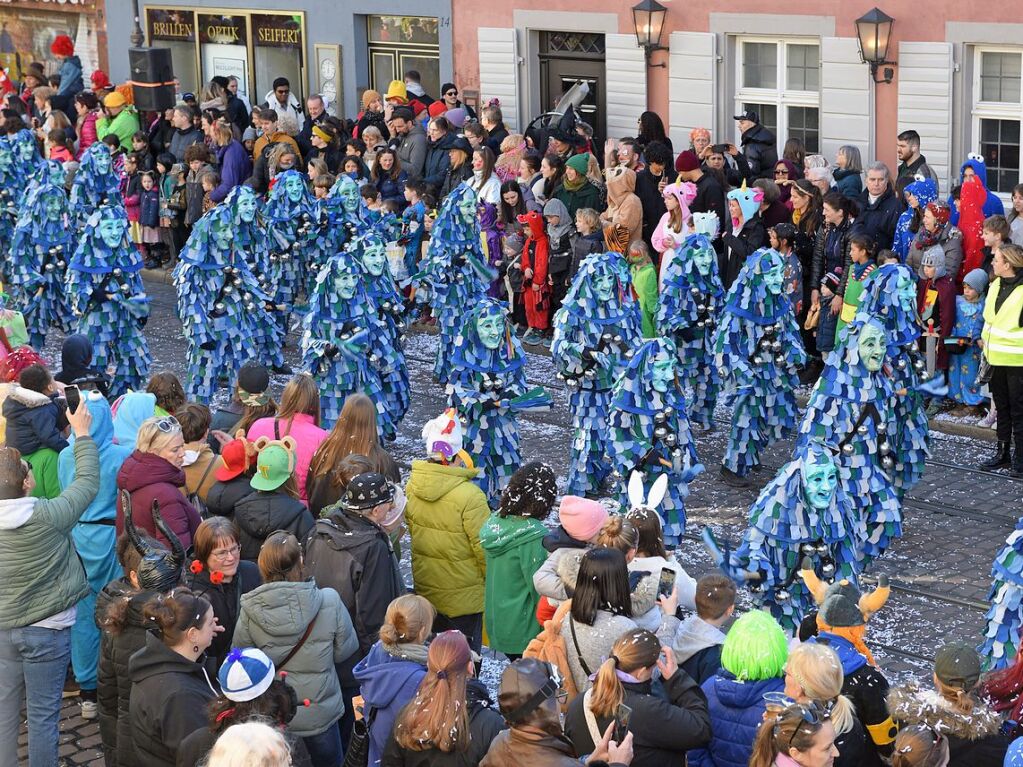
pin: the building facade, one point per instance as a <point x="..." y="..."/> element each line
<point x="28" y="27"/>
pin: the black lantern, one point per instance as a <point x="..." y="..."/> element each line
<point x="874" y="30"/>
<point x="648" y="17"/>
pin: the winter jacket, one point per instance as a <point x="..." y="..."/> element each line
<point x="194" y="194"/>
<point x="76" y="359"/>
<point x="225" y="598"/>
<point x="738" y="247"/>
<point x="908" y="173"/>
<point x="124" y="126"/>
<point x="951" y="241"/>
<point x="293" y="107"/>
<point x="830" y="251"/>
<point x="437" y="161"/>
<point x="444" y="515"/>
<point x="759" y="147"/>
<point x="87" y="132"/>
<point x="258" y="514"/>
<point x="237" y="113"/>
<point x="652" y="200"/>
<point x="323" y="491"/>
<point x="514" y="551"/>
<point x="848" y="182"/>
<point x="274" y="617"/>
<point x="40" y="570"/>
<point x="586" y="196"/>
<point x="485" y="722"/>
<point x="412" y="150"/>
<point x="527" y="745"/>
<point x="169" y="695"/>
<point x="393" y="188"/>
<point x="623" y="206"/>
<point x="585" y="245"/>
<point x="669" y="717"/>
<point x="453" y="178"/>
<point x="269" y="139"/>
<point x="181" y="140"/>
<point x="388" y="678"/>
<point x="697" y="646"/>
<point x="149" y="207"/>
<point x="710" y="198"/>
<point x="974" y="739"/>
<point x="736" y="711"/>
<point x="195" y="749"/>
<point x="70" y="74"/>
<point x="200" y="474"/>
<point x="367" y="118"/>
<point x="993" y="205"/>
<point x="235" y="168"/>
<point x="223" y="496"/>
<point x="34" y="421"/>
<point x="878" y="219"/>
<point x="148" y="478"/>
<point x="308" y="437"/>
<point x="852" y="746"/>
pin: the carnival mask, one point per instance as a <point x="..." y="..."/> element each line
<point x="6" y="160"/>
<point x="490" y="329"/>
<point x="58" y="176"/>
<point x="662" y="373"/>
<point x="872" y="347"/>
<point x="704" y="260"/>
<point x="374" y="259"/>
<point x="467" y="206"/>
<point x="53" y="207"/>
<point x="111" y="231"/>
<point x="773" y="279"/>
<point x="603" y="286"/>
<point x="907" y="294"/>
<point x="820" y="478"/>
<point x="345" y="284"/>
<point x="103" y="160"/>
<point x="349" y="195"/>
<point x="247" y="205"/>
<point x="222" y="234"/>
<point x="294" y="187"/>
<point x="26" y="150"/>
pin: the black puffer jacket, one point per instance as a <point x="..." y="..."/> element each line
<point x="258" y="514"/>
<point x="878" y="219"/>
<point x="169" y="695"/>
<point x="34" y="421"/>
<point x="225" y="598"/>
<point x="760" y="148"/>
<point x="224" y="496"/>
<point x="738" y="247"/>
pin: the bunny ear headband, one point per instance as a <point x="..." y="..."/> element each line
<point x="637" y="491"/>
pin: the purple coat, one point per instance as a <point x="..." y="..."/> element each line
<point x="148" y="477"/>
<point x="235" y="168"/>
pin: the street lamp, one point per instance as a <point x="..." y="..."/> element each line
<point x="648" y="18"/>
<point x="874" y="30"/>
<point x="137" y="38"/>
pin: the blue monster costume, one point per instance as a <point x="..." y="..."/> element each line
<point x="795" y="523"/>
<point x="889" y="296"/>
<point x="220" y="304"/>
<point x="411" y="236"/>
<point x="454" y="274"/>
<point x="650" y="431"/>
<point x="40" y="248"/>
<point x="96" y="183"/>
<point x="596" y="329"/>
<point x="758" y="349"/>
<point x="690" y="300"/>
<point x="109" y="299"/>
<point x="12" y="177"/>
<point x="339" y="339"/>
<point x="1005" y="615"/>
<point x="992" y="205"/>
<point x="340" y="217"/>
<point x="925" y="191"/>
<point x="488" y="371"/>
<point x="851" y="408"/>
<point x="387" y="345"/>
<point x="291" y="220"/>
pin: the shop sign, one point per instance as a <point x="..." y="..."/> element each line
<point x="277" y="31"/>
<point x="222" y="30"/>
<point x="171" y="25"/>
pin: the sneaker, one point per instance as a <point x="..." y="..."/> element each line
<point x="531" y="336"/>
<point x="988" y="422"/>
<point x="89" y="709"/>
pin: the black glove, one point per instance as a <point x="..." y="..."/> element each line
<point x="208" y="346"/>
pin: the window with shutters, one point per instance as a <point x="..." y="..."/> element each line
<point x="780" y="80"/>
<point x="998" y="114"/>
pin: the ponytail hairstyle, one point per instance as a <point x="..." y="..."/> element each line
<point x="115" y="618"/>
<point x="817" y="669"/>
<point x="957" y="697"/>
<point x="280" y="558"/>
<point x="920" y="746"/>
<point x="436" y="718"/>
<point x="793" y="727"/>
<point x="174" y="614"/>
<point x="634" y="650"/>
<point x="618" y="533"/>
<point x="277" y="706"/>
<point x="408" y="618"/>
<point x="648" y="527"/>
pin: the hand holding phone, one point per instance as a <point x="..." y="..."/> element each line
<point x="73" y="396"/>
<point x="666" y="583"/>
<point x="667" y="663"/>
<point x="623" y="716"/>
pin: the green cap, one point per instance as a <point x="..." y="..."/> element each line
<point x="273" y="467"/>
<point x="579" y="163"/>
<point x="957" y="665"/>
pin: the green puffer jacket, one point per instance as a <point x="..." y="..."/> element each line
<point x="514" y="551"/>
<point x="124" y="126"/>
<point x="444" y="514"/>
<point x="39" y="567"/>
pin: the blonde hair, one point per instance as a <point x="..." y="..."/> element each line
<point x="371" y="130"/>
<point x="818" y="671"/>
<point x="250" y="744"/>
<point x="635" y="649"/>
<point x="957" y="697"/>
<point x="152" y="439"/>
<point x="618" y="533"/>
<point x="408" y="618"/>
<point x="589" y="217"/>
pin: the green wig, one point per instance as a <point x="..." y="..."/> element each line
<point x="755" y="648"/>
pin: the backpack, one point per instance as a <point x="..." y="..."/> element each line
<point x="330" y="559"/>
<point x="549" y="646"/>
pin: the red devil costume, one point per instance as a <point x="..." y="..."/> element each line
<point x="535" y="255"/>
<point x="972" y="197"/>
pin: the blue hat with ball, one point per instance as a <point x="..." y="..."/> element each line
<point x="245" y="674"/>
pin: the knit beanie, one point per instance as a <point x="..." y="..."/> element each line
<point x="437" y="108"/>
<point x="957" y="665"/>
<point x="396" y="90"/>
<point x="687" y="161"/>
<point x="245" y="674"/>
<point x="369" y="96"/>
<point x="581" y="517"/>
<point x="940" y="211"/>
<point x="579" y="163"/>
<point x="976" y="279"/>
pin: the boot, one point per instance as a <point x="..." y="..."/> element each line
<point x="1016" y="470"/>
<point x="732" y="479"/>
<point x="1000" y="459"/>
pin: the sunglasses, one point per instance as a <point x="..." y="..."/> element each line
<point x="168" y="424"/>
<point x="781" y="172"/>
<point x="811" y="715"/>
<point x="451" y="93"/>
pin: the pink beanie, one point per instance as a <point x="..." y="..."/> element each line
<point x="581" y="517"/>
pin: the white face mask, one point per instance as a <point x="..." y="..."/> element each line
<point x="191" y="456"/>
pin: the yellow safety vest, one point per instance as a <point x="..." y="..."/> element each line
<point x="1003" y="336"/>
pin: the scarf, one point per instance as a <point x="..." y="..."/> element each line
<point x="574" y="186"/>
<point x="927" y="239"/>
<point x="415" y="653"/>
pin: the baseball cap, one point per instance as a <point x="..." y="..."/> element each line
<point x="749" y="114"/>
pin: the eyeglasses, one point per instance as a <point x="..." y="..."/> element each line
<point x="168" y="424"/>
<point x="222" y="554"/>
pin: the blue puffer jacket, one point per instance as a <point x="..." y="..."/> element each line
<point x="387" y="683"/>
<point x="393" y="189"/>
<point x="34" y="421"/>
<point x="736" y="711"/>
<point x="437" y="161"/>
<point x="71" y="77"/>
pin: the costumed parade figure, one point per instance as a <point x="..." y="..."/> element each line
<point x="650" y="432"/>
<point x="290" y="217"/>
<point x="96" y="183"/>
<point x="342" y="213"/>
<point x="597" y="325"/>
<point x="109" y="299"/>
<point x="11" y="181"/>
<point x="338" y="341"/>
<point x="1005" y="615"/>
<point x="220" y="304"/>
<point x="454" y="273"/>
<point x="35" y="170"/>
<point x="387" y="339"/>
<point x="758" y="350"/>
<point x="690" y="300"/>
<point x="851" y="408"/>
<point x="889" y="296"/>
<point x="795" y="523"/>
<point x="40" y="249"/>
<point x="925" y="191"/>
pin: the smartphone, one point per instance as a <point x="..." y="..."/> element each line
<point x="666" y="584"/>
<point x="622" y="718"/>
<point x="73" y="397"/>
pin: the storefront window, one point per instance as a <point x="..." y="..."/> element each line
<point x="25" y="36"/>
<point x="277" y="42"/>
<point x="400" y="43"/>
<point x="223" y="44"/>
<point x="175" y="30"/>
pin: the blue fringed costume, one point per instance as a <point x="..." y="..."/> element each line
<point x="12" y="177"/>
<point x="291" y="219"/>
<point x="687" y="310"/>
<point x="109" y="299"/>
<point x="1005" y="615"/>
<point x="758" y="350"/>
<point x="96" y="183"/>
<point x="964" y="366"/>
<point x="650" y="431"/>
<point x="598" y="323"/>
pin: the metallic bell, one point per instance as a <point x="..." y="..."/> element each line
<point x="61" y="263"/>
<point x="572" y="383"/>
<point x="782" y="595"/>
<point x="671" y="440"/>
<point x="374" y="358"/>
<point x="779" y="359"/>
<point x="694" y="290"/>
<point x="660" y="432"/>
<point x="901" y="364"/>
<point x="53" y="251"/>
<point x="219" y="306"/>
<point x="885" y="448"/>
<point x="776" y="346"/>
<point x="660" y="417"/>
<point x="560" y="376"/>
<point x="228" y="290"/>
<point x="668" y="412"/>
<point x="700" y="323"/>
<point x="757" y="360"/>
<point x="236" y="282"/>
<point x="125" y="289"/>
<point x="618" y="339"/>
<point x="882" y="428"/>
<point x="765" y="344"/>
<point x="919" y="364"/>
<point x="807" y="549"/>
<point x="887" y="462"/>
<point x="117" y="272"/>
<point x="249" y="306"/>
<point x="49" y="267"/>
<point x="828" y="570"/>
<point x="591" y="373"/>
<point x="701" y="307"/>
<point x="861" y="429"/>
<point x="386" y="306"/>
<point x="629" y="354"/>
<point x="848" y="449"/>
<point x="606" y="338"/>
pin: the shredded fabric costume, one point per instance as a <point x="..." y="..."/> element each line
<point x="650" y="434"/>
<point x="687" y="310"/>
<point x="482" y="385"/>
<point x="96" y="183"/>
<point x="925" y="191"/>
<point x="220" y="304"/>
<point x="12" y="178"/>
<point x="597" y="324"/>
<point x="107" y="294"/>
<point x="41" y="246"/>
<point x="291" y="220"/>
<point x="1005" y="615"/>
<point x="340" y="214"/>
<point x="758" y="350"/>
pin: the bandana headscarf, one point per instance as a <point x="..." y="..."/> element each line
<point x="616" y="238"/>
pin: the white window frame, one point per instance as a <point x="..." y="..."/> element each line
<point x="992" y="110"/>
<point x="781" y="98"/>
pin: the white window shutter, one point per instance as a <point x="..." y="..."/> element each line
<point x="692" y="70"/>
<point x="499" y="71"/>
<point x="625" y="75"/>
<point x="925" y="101"/>
<point x="846" y="111"/>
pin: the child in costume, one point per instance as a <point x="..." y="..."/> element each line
<point x="491" y="230"/>
<point x="919" y="194"/>
<point x="972" y="196"/>
<point x="644" y="285"/>
<point x="744" y="235"/>
<point x="936" y="303"/>
<point x="109" y="300"/>
<point x="42" y="244"/>
<point x="758" y="350"/>
<point x="861" y="255"/>
<point x="688" y="306"/>
<point x="650" y="432"/>
<point x="598" y="324"/>
<point x="675" y="227"/>
<point x="412" y="231"/>
<point x="290" y="215"/>
<point x="964" y="353"/>
<point x="96" y="183"/>
<point x="535" y="289"/>
<point x="560" y="236"/>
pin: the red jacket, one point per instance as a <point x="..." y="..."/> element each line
<point x="535" y="250"/>
<point x="149" y="478"/>
<point x="943" y="314"/>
